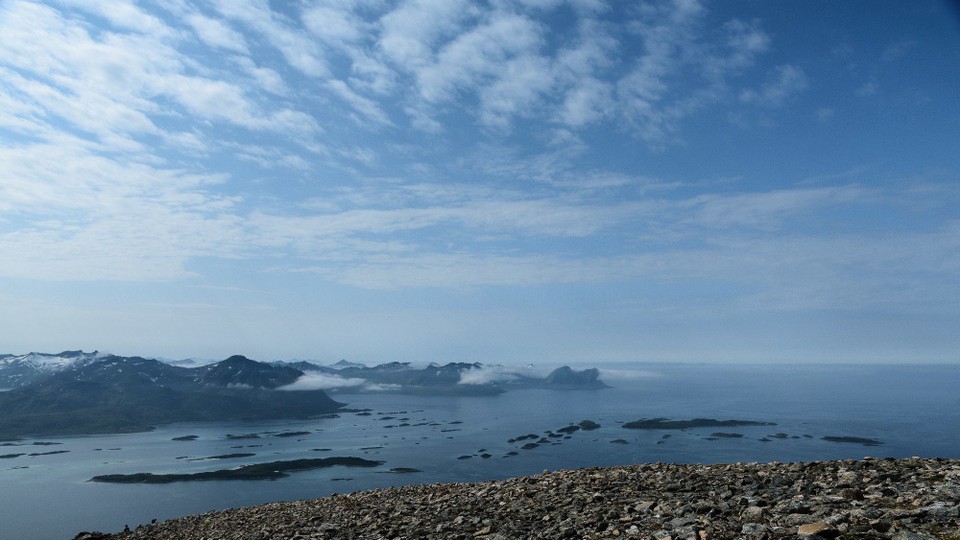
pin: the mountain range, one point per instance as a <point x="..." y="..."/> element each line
<point x="74" y="392"/>
<point x="458" y="378"/>
<point x="113" y="394"/>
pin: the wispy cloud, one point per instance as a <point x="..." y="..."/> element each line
<point x="767" y="210"/>
<point x="446" y="145"/>
<point x="119" y="86"/>
<point x="654" y="95"/>
<point x="493" y="373"/>
<point x="897" y="50"/>
<point x="412" y="30"/>
<point x="123" y="14"/>
<point x="486" y="375"/>
<point x="806" y="273"/>
<point x="322" y="381"/>
<point x="279" y="31"/>
<point x="367" y="108"/>
<point x="786" y="82"/>
<point x="869" y="88"/>
<point x="217" y="33"/>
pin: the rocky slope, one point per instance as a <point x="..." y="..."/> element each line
<point x="907" y="499"/>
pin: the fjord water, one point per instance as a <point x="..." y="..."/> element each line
<point x="913" y="410"/>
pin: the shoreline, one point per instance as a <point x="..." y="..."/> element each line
<point x="904" y="499"/>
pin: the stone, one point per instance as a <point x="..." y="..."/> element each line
<point x="852" y="494"/>
<point x="941" y="508"/>
<point x="818" y="529"/>
<point x="752" y="513"/>
<point x="908" y="535"/>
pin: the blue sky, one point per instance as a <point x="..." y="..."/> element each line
<point x="507" y="181"/>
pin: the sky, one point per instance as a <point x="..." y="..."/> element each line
<point x="502" y="181"/>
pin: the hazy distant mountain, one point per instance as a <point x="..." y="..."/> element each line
<point x="347" y="364"/>
<point x="401" y="377"/>
<point x="119" y="394"/>
<point x="565" y="377"/>
<point x="188" y="362"/>
<point x="453" y="378"/>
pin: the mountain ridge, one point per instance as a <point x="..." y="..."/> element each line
<point x="122" y="394"/>
<point x="459" y="378"/>
<point x="22" y="369"/>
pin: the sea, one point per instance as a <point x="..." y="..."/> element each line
<point x="912" y="410"/>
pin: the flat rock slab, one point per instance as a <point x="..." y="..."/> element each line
<point x="820" y="530"/>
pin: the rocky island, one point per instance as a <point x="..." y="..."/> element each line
<point x="256" y="471"/>
<point x="666" y="423"/>
<point x="901" y="499"/>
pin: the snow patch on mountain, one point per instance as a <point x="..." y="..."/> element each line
<point x="22" y="369"/>
<point x="52" y="362"/>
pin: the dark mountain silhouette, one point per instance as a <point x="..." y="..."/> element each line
<point x="240" y="371"/>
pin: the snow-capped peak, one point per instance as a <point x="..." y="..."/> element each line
<point x="21" y="369"/>
<point x="52" y="362"/>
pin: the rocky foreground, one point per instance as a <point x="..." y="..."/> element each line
<point x="904" y="499"/>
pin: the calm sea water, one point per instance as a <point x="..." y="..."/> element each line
<point x="913" y="410"/>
